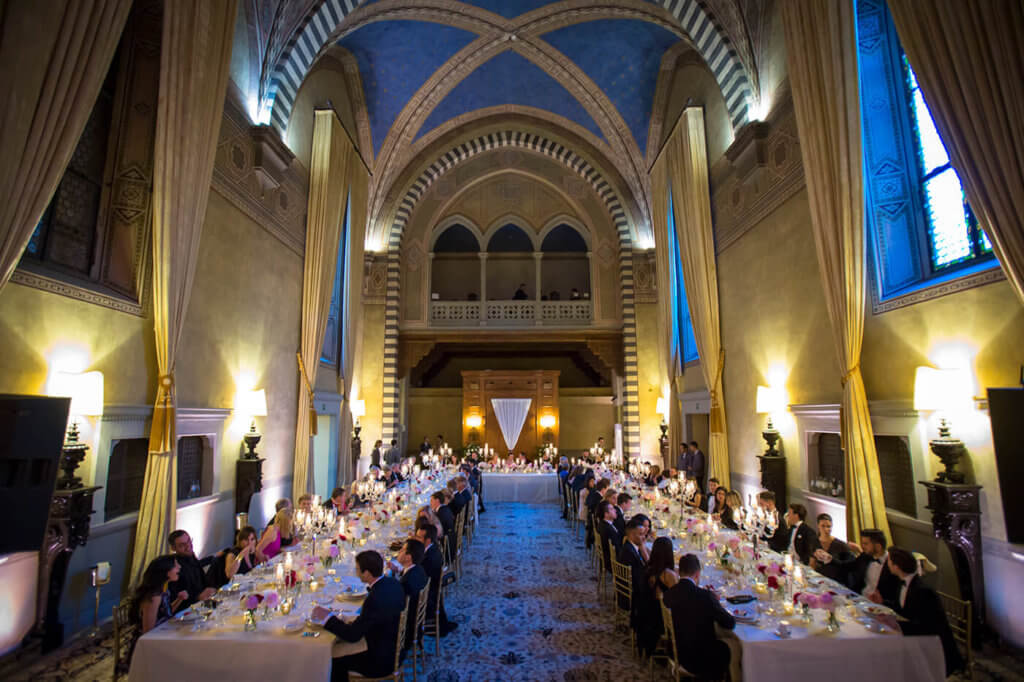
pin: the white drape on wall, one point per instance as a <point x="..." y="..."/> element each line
<point x="511" y="414"/>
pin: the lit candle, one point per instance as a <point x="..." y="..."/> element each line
<point x="279" y="574"/>
<point x="288" y="561"/>
<point x="798" y="575"/>
<point x="788" y="562"/>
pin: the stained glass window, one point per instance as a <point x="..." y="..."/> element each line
<point x="953" y="233"/>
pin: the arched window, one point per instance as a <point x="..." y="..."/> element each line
<point x="509" y="239"/>
<point x="565" y="267"/>
<point x="511" y="267"/>
<point x="921" y="232"/>
<point x="455" y="268"/>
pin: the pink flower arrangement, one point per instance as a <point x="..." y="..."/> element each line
<point x="773" y="582"/>
<point x="253" y="601"/>
<point x="333" y="551"/>
<point x="272" y="600"/>
<point x="734" y="543"/>
<point x="712" y="546"/>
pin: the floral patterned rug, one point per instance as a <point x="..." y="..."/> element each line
<point x="527" y="610"/>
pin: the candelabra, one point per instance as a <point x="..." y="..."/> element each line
<point x="755" y="523"/>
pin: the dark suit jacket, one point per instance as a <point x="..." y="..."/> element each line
<point x="432" y="565"/>
<point x="192" y="578"/>
<point x="698" y="467"/>
<point x="805" y="543"/>
<point x="620" y="523"/>
<point x="413" y="581"/>
<point x="609" y="533"/>
<point x="467" y="497"/>
<point x="447" y="519"/>
<point x="888" y="584"/>
<point x="923" y="611"/>
<point x="638" y="570"/>
<point x="377" y="622"/>
<point x="456" y="505"/>
<point x="779" y="542"/>
<point x="695" y="611"/>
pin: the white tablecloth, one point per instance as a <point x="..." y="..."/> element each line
<point x="529" y="488"/>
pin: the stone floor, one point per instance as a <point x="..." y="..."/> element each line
<point x="527" y="611"/>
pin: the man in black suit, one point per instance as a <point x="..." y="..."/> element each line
<point x="779" y="540"/>
<point x="869" y="573"/>
<point x="433" y="564"/>
<point x="192" y="577"/>
<point x="593" y="498"/>
<point x="608" y="533"/>
<point x="335" y="500"/>
<point x="643" y="608"/>
<point x="413" y="579"/>
<point x="425" y="446"/>
<point x="802" y="540"/>
<point x="921" y="606"/>
<point x="698" y="465"/>
<point x="445" y="516"/>
<point x="377" y="622"/>
<point x="695" y="612"/>
<point x="624" y="501"/>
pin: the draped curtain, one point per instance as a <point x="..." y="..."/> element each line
<point x="822" y="60"/>
<point x="669" y="355"/>
<point x="683" y="161"/>
<point x="511" y="414"/>
<point x="969" y="60"/>
<point x="194" y="61"/>
<point x="328" y="194"/>
<point x="55" y="56"/>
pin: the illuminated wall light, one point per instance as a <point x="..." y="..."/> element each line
<point x="547" y="421"/>
<point x="474" y="421"/>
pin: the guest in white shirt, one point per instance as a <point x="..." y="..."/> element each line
<point x="712" y="501"/>
<point x="802" y="540"/>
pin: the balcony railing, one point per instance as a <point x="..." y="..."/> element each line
<point x="510" y="313"/>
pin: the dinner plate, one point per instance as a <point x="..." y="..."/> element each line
<point x="875" y="610"/>
<point x="188" y="616"/>
<point x="293" y="626"/>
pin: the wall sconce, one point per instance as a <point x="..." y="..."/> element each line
<point x="253" y="404"/>
<point x="767" y="403"/>
<point x="358" y="409"/>
<point x="547" y="422"/>
<point x="946" y="391"/>
<point x="86" y="393"/>
<point x="474" y="422"/>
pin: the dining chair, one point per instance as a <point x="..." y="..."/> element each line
<point x="125" y="635"/>
<point x="671" y="652"/>
<point x="958" y="613"/>
<point x="398" y="674"/>
<point x="417" y="642"/>
<point x="622" y="579"/>
<point x="432" y="625"/>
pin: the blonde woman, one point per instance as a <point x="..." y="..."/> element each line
<point x="270" y="543"/>
<point x="428" y="514"/>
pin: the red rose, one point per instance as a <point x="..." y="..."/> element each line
<point x="796" y="597"/>
<point x="762" y="568"/>
<point x="773" y="582"/>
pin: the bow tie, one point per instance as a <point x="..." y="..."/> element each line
<point x="876" y="561"/>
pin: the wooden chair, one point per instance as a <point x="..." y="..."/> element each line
<point x="421" y="621"/>
<point x="398" y="674"/>
<point x="958" y="613"/>
<point x="460" y="526"/>
<point x="125" y="635"/>
<point x="432" y="624"/>
<point x="622" y="579"/>
<point x="669" y="639"/>
<point x="601" y="569"/>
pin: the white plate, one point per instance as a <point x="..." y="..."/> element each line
<point x="187" y="616"/>
<point x="293" y="626"/>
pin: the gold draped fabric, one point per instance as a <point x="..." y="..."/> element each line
<point x="684" y="165"/>
<point x="669" y="360"/>
<point x="331" y="157"/>
<point x="55" y="55"/>
<point x="969" y="60"/>
<point x="194" y="61"/>
<point x="822" y="60"/>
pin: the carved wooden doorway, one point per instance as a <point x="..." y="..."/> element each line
<point x="480" y="386"/>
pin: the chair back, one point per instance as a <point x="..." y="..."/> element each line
<point x="670" y="630"/>
<point x="403" y="618"/>
<point x="460" y="526"/>
<point x="622" y="579"/>
<point x="421" y="610"/>
<point x="958" y="613"/>
<point x="125" y="635"/>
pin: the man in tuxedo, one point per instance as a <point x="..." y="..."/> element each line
<point x="445" y="516"/>
<point x="779" y="540"/>
<point x="608" y="533"/>
<point x="695" y="612"/>
<point x="869" y="573"/>
<point x="335" y="500"/>
<point x="593" y="499"/>
<point x="629" y="554"/>
<point x="433" y="564"/>
<point x="921" y="606"/>
<point x="709" y="500"/>
<point x="393" y="456"/>
<point x="377" y="622"/>
<point x="413" y="579"/>
<point x="192" y="578"/>
<point x="425" y="446"/>
<point x="683" y="460"/>
<point x="624" y="501"/>
<point x="802" y="539"/>
<point x="698" y="465"/>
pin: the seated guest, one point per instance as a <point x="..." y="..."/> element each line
<point x="305" y="502"/>
<point x="717" y="502"/>
<point x="390" y="476"/>
<point x="869" y="572"/>
<point x="623" y="502"/>
<point x="641" y="617"/>
<point x="611" y="496"/>
<point x="433" y="565"/>
<point x="428" y="514"/>
<point x="445" y="516"/>
<point x="802" y="540"/>
<point x="241" y="558"/>
<point x="695" y="613"/>
<point x="921" y="606"/>
<point x="779" y="540"/>
<point x="728" y="516"/>
<point x="283" y="503"/>
<point x="593" y="498"/>
<point x="273" y="538"/>
<point x="464" y="491"/>
<point x="152" y="603"/>
<point x="377" y="622"/>
<point x="653" y="475"/>
<point x="192" y="578"/>
<point x="697" y="501"/>
<point x="413" y="579"/>
<point x="458" y="502"/>
<point x="661" y="575"/>
<point x="833" y="556"/>
<point x="339" y="501"/>
<point x="609" y="535"/>
<point x="711" y="503"/>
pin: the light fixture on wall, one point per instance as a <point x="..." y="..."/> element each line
<point x="547" y="422"/>
<point x="358" y="409"/>
<point x="947" y="391"/>
<point x="253" y="404"/>
<point x="86" y="393"/>
<point x="474" y="422"/>
<point x="661" y="407"/>
<point x="767" y="403"/>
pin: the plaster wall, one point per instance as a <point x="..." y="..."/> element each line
<point x="583" y="416"/>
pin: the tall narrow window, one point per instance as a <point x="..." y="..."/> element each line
<point x="685" y="340"/>
<point x="334" y="340"/>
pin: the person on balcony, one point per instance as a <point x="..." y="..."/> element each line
<point x="520" y="294"/>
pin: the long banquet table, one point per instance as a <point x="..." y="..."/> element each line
<point x="517" y="487"/>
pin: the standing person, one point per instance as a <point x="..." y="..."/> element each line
<point x="377" y="622"/>
<point x="191" y="579"/>
<point x="378" y="448"/>
<point x="439" y="443"/>
<point x="695" y="613"/>
<point x="683" y="460"/>
<point x="152" y="601"/>
<point x="393" y="455"/>
<point x="698" y="465"/>
<point x="520" y="294"/>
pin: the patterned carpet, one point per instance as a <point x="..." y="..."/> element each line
<point x="527" y="610"/>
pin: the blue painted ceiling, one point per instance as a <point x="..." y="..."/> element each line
<point x="509" y="9"/>
<point x="509" y="78"/>
<point x="622" y="56"/>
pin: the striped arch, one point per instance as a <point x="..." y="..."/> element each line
<point x="710" y="41"/>
<point x="601" y="187"/>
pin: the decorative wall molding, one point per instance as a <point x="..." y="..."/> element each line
<point x="280" y="210"/>
<point x="36" y="280"/>
<point x="953" y="286"/>
<point x="645" y="276"/>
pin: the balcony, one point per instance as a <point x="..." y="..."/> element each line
<point x="511" y="313"/>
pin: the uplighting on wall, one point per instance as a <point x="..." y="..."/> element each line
<point x="474" y="422"/>
<point x="547" y="422"/>
<point x="948" y="392"/>
<point x="252" y="404"/>
<point x="769" y="401"/>
<point x="86" y="393"/>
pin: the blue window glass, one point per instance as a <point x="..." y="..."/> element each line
<point x="334" y="337"/>
<point x="684" y="341"/>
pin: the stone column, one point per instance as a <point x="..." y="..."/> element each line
<point x="538" y="258"/>
<point x="483" y="288"/>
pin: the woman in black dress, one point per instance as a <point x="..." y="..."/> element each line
<point x="152" y="604"/>
<point x="833" y="556"/>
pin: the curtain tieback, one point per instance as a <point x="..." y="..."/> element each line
<point x="309" y="391"/>
<point x="849" y="373"/>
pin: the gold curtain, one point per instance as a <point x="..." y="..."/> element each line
<point x="684" y="162"/>
<point x="328" y="193"/>
<point x="194" y="61"/>
<point x="968" y="56"/>
<point x="669" y="360"/>
<point x="54" y="56"/>
<point x="822" y="60"/>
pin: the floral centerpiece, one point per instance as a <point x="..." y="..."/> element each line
<point x="251" y="602"/>
<point x="827" y="601"/>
